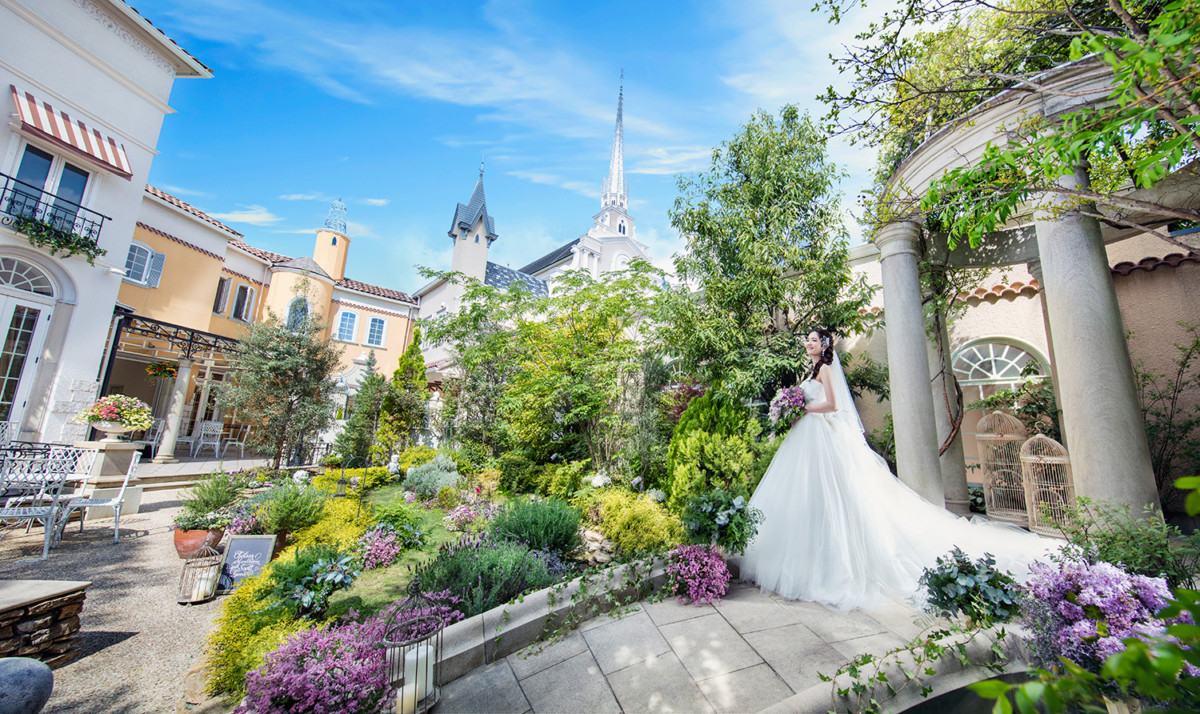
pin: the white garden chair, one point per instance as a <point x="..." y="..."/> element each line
<point x="32" y="488"/>
<point x="115" y="503"/>
<point x="153" y="436"/>
<point x="239" y="441"/>
<point x="210" y="435"/>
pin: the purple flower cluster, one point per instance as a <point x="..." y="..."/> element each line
<point x="380" y="546"/>
<point x="247" y="520"/>
<point x="468" y="513"/>
<point x="787" y="406"/>
<point x="696" y="573"/>
<point x="1082" y="612"/>
<point x="342" y="668"/>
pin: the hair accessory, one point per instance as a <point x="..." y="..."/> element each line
<point x="825" y="342"/>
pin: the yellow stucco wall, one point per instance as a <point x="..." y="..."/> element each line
<point x="330" y="253"/>
<point x="185" y="293"/>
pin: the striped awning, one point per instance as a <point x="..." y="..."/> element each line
<point x="41" y="120"/>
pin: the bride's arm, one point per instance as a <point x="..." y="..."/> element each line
<point x="825" y="377"/>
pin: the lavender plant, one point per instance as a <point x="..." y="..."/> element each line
<point x="696" y="574"/>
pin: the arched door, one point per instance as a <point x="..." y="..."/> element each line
<point x="26" y="303"/>
<point x="982" y="368"/>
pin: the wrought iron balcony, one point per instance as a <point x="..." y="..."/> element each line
<point x="48" y="220"/>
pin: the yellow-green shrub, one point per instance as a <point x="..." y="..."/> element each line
<point x="244" y="633"/>
<point x="562" y="480"/>
<point x="636" y="523"/>
<point x="415" y="456"/>
<point x="368" y="478"/>
<point x="342" y="523"/>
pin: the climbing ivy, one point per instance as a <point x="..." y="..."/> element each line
<point x="56" y="240"/>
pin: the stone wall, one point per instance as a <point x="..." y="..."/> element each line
<point x="44" y="629"/>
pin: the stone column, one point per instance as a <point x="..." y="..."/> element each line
<point x="908" y="361"/>
<point x="1097" y="393"/>
<point x="1035" y="269"/>
<point x="953" y="463"/>
<point x="166" y="451"/>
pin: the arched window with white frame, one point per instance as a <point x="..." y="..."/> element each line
<point x="984" y="367"/>
<point x="297" y="317"/>
<point x="347" y="325"/>
<point x="376" y="331"/>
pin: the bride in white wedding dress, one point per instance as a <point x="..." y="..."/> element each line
<point x="838" y="527"/>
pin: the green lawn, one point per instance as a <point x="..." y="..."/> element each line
<point x="376" y="589"/>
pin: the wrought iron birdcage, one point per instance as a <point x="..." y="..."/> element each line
<point x="200" y="574"/>
<point x="413" y="645"/>
<point x="1049" y="487"/>
<point x="1000" y="437"/>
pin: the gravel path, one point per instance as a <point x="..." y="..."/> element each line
<point x="136" y="642"/>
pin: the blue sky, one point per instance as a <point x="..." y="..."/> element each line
<point x="388" y="105"/>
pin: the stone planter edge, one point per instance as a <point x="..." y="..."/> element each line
<point x="509" y="628"/>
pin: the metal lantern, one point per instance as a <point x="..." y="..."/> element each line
<point x="200" y="575"/>
<point x="1000" y="437"/>
<point x="413" y="646"/>
<point x="1049" y="487"/>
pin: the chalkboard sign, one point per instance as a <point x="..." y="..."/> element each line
<point x="245" y="556"/>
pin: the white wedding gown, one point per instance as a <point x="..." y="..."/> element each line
<point x="840" y="529"/>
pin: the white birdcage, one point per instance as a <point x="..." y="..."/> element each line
<point x="1000" y="437"/>
<point x="1049" y="487"/>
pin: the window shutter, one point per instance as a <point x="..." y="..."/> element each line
<point x="250" y="305"/>
<point x="154" y="271"/>
<point x="222" y="296"/>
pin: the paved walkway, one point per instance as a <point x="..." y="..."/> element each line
<point x="136" y="642"/>
<point x="743" y="655"/>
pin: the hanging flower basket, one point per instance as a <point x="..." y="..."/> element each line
<point x="162" y="370"/>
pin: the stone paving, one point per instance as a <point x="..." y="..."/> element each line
<point x="747" y="653"/>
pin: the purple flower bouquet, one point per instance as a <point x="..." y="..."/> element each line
<point x="786" y="407"/>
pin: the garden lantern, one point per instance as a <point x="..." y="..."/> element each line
<point x="200" y="574"/>
<point x="413" y="645"/>
<point x="1000" y="437"/>
<point x="341" y="486"/>
<point x="1049" y="488"/>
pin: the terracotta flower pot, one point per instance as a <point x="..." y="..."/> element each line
<point x="188" y="543"/>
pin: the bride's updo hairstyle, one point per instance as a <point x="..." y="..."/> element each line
<point x="826" y="349"/>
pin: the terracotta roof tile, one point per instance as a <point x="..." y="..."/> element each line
<point x="998" y="291"/>
<point x="185" y="206"/>
<point x="376" y="290"/>
<point x="259" y="252"/>
<point x="1150" y="263"/>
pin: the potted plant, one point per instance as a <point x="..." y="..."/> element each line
<point x="195" y="529"/>
<point x="117" y="414"/>
<point x="206" y="513"/>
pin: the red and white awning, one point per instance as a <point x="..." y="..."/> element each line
<point x="41" y="120"/>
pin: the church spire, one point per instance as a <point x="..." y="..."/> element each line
<point x="616" y="187"/>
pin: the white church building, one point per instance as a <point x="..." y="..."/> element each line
<point x="610" y="244"/>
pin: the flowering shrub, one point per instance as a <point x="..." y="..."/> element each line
<point x="550" y="525"/>
<point x="697" y="574"/>
<point x="470" y="516"/>
<point x="721" y="518"/>
<point x="787" y="406"/>
<point x="128" y="411"/>
<point x="483" y="572"/>
<point x="676" y="398"/>
<point x="379" y="547"/>
<point x="1082" y="612"/>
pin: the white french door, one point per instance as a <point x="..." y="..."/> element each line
<point x="23" y="326"/>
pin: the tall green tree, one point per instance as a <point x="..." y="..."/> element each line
<point x="405" y="403"/>
<point x="354" y="441"/>
<point x="766" y="257"/>
<point x="546" y="375"/>
<point x="283" y="383"/>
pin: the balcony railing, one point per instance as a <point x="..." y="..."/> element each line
<point x="27" y="208"/>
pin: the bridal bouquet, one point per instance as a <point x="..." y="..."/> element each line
<point x="786" y="407"/>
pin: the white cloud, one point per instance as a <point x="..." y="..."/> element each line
<point x="672" y="160"/>
<point x="251" y="215"/>
<point x="376" y="201"/>
<point x="315" y="196"/>
<point x="180" y="191"/>
<point x="360" y="230"/>
<point x="583" y="188"/>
